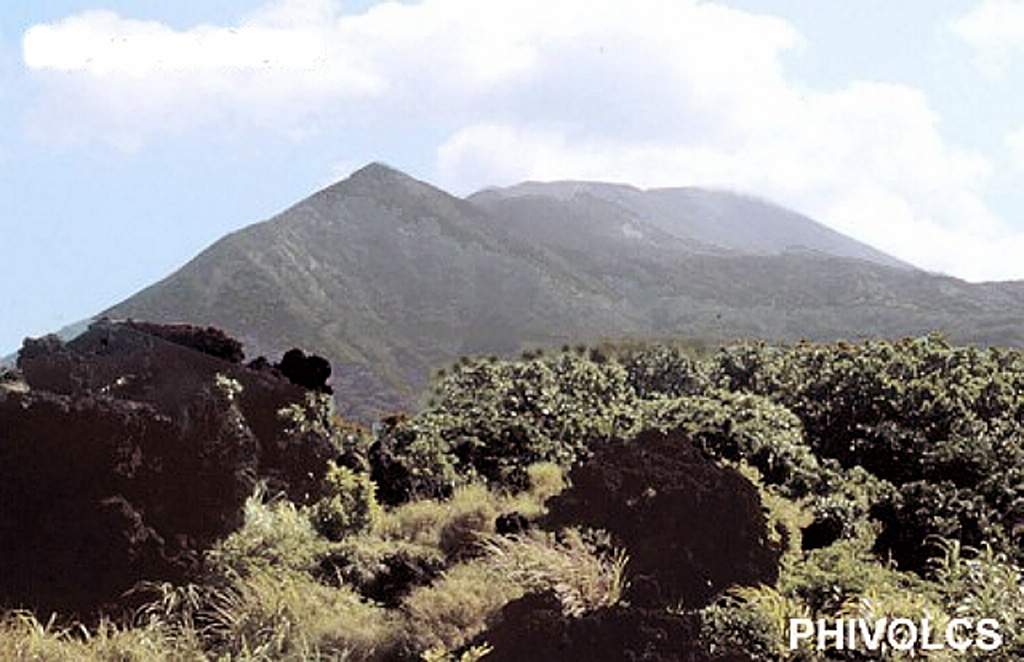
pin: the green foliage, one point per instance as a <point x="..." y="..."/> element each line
<point x="669" y="370"/>
<point x="349" y="504"/>
<point x="493" y="419"/>
<point x="275" y="534"/>
<point x="892" y="474"/>
<point x="735" y="426"/>
<point x="753" y="621"/>
<point x="316" y="415"/>
<point x="984" y="584"/>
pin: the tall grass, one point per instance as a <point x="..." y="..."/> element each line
<point x="266" y="595"/>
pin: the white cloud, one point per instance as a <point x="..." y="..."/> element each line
<point x="653" y="92"/>
<point x="1015" y="145"/>
<point x="867" y="159"/>
<point x="300" y="60"/>
<point x="995" y="31"/>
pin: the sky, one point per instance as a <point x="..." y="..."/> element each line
<point x="134" y="133"/>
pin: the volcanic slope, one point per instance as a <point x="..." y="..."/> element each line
<point x="708" y="221"/>
<point x="389" y="277"/>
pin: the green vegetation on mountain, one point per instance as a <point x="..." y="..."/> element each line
<point x="389" y="277"/>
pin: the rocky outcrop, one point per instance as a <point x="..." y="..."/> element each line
<point x="100" y="493"/>
<point x="691" y="528"/>
<point x="207" y="340"/>
<point x="127" y="452"/>
<point x="136" y="362"/>
<point x="310" y="372"/>
<point x="534" y="628"/>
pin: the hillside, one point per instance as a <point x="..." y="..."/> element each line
<point x="390" y="277"/>
<point x="381" y="270"/>
<point x="701" y="220"/>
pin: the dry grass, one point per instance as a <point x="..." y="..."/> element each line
<point x="23" y="638"/>
<point x="582" y="580"/>
<point x="264" y="601"/>
<point x="450" y="612"/>
<point x="275" y="534"/>
<point x="291" y="617"/>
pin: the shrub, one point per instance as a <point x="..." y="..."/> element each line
<point x="275" y="534"/>
<point x="493" y="419"/>
<point x="349" y="503"/>
<point x="754" y="622"/>
<point x="735" y="426"/>
<point x="921" y="511"/>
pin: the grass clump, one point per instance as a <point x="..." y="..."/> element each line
<point x="275" y="534"/>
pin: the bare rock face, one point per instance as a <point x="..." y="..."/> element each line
<point x="691" y="528"/>
<point x="127" y="453"/>
<point x="100" y="493"/>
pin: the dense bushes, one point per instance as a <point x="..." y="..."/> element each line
<point x="942" y="425"/>
<point x="491" y="419"/>
<point x="892" y="473"/>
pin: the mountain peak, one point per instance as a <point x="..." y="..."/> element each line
<point x="380" y="180"/>
<point x="377" y="170"/>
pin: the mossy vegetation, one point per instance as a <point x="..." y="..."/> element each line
<point x="890" y="473"/>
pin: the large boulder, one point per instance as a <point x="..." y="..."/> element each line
<point x="534" y="628"/>
<point x="100" y="493"/>
<point x="168" y="366"/>
<point x="127" y="452"/>
<point x="691" y="527"/>
<point x="310" y="372"/>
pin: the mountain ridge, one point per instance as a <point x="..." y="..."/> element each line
<point x="716" y="217"/>
<point x="390" y="277"/>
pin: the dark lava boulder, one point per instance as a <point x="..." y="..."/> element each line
<point x="169" y="366"/>
<point x="691" y="528"/>
<point x="124" y="455"/>
<point x="310" y="372"/>
<point x="534" y="628"/>
<point x="99" y="494"/>
<point x="208" y="340"/>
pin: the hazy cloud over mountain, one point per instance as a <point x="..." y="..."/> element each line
<point x="891" y="122"/>
<point x="670" y="92"/>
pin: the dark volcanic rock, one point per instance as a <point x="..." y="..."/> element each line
<point x="691" y="527"/>
<point x="126" y="455"/>
<point x="125" y="362"/>
<point x="100" y="493"/>
<point x="534" y="628"/>
<point x="311" y="372"/>
<point x="207" y="340"/>
<point x="821" y="533"/>
<point x="394" y="576"/>
<point x="511" y="524"/>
